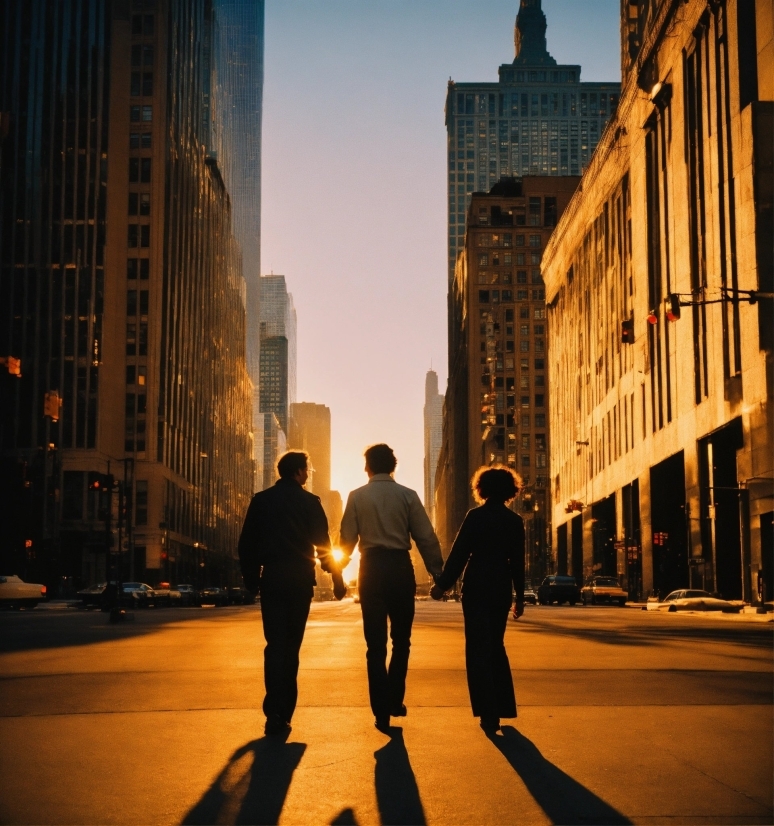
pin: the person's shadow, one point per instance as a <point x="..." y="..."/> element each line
<point x="397" y="794"/>
<point x="563" y="799"/>
<point x="252" y="787"/>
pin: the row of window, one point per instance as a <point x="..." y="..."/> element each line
<point x="138" y="268"/>
<point x="139" y="140"/>
<point x="535" y="105"/>
<point x="138" y="235"/>
<point x="506" y="239"/>
<point x="141" y="114"/>
<point x="141" y="84"/>
<point x="496" y="277"/>
<point x="505" y="296"/>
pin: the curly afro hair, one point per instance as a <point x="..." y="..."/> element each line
<point x="498" y="483"/>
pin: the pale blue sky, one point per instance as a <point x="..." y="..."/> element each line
<point x="354" y="190"/>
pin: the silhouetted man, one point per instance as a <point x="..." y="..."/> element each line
<point x="382" y="517"/>
<point x="283" y="526"/>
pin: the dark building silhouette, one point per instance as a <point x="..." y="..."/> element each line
<point x="497" y="399"/>
<point x="122" y="295"/>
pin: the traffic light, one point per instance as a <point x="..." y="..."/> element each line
<point x="673" y="307"/>
<point x="98" y="481"/>
<point x="12" y="364"/>
<point x="627" y="331"/>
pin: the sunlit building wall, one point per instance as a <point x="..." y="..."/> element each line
<point x="124" y="289"/>
<point x="659" y="288"/>
<point x="433" y="431"/>
<point x="537" y="119"/>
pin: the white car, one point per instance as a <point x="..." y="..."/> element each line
<point x="692" y="599"/>
<point x="17" y="594"/>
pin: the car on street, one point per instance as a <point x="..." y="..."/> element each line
<point x="15" y="593"/>
<point x="187" y="593"/>
<point x="603" y="589"/>
<point x="239" y="595"/>
<point x="138" y="595"/>
<point x="694" y="599"/>
<point x="530" y="595"/>
<point x="557" y="588"/>
<point x="212" y="595"/>
<point x="91" y="597"/>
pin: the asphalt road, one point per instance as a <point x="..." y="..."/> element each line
<point x="625" y="716"/>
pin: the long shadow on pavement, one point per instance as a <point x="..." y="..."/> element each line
<point x="252" y="787"/>
<point x="563" y="799"/>
<point x="397" y="794"/>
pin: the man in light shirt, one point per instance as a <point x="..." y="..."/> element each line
<point x="382" y="518"/>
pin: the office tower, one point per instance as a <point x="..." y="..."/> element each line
<point x="496" y="404"/>
<point x="659" y="284"/>
<point x="270" y="445"/>
<point x="310" y="430"/>
<point x="537" y="119"/>
<point x="433" y="422"/>
<point x="277" y="379"/>
<point x="122" y="297"/>
<point x="238" y="49"/>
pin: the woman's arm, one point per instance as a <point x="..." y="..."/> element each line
<point x="458" y="558"/>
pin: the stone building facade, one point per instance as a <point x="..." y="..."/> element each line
<point x="659" y="290"/>
<point x="496" y="404"/>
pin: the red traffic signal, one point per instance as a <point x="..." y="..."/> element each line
<point x="98" y="481"/>
<point x="673" y="307"/>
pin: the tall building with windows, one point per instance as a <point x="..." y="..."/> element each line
<point x="277" y="379"/>
<point x="433" y="427"/>
<point x="496" y="404"/>
<point x="310" y="430"/>
<point x="659" y="280"/>
<point x="123" y="288"/>
<point x="537" y="119"/>
<point x="238" y="91"/>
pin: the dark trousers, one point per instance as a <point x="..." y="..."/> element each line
<point x="489" y="673"/>
<point x="284" y="621"/>
<point x="387" y="589"/>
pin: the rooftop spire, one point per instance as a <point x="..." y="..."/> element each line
<point x="530" y="36"/>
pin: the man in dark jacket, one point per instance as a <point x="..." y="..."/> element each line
<point x="283" y="526"/>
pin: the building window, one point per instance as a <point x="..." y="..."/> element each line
<point x="538" y="295"/>
<point x="142" y="25"/>
<point x="540" y="420"/>
<point x="534" y="213"/>
<point x="525" y="460"/>
<point x="483" y="259"/>
<point x="539" y="400"/>
<point x="139" y="140"/>
<point x="524" y="402"/>
<point x="549" y="212"/>
<point x="534" y="241"/>
<point x="483" y="296"/>
<point x="540" y="364"/>
<point x="525" y="441"/>
<point x="141" y="502"/>
<point x="540" y="460"/>
<point x="525" y="418"/>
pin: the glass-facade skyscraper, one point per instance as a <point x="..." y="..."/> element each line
<point x="122" y="295"/>
<point x="537" y="119"/>
<point x="238" y="50"/>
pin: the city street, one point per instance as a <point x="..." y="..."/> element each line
<point x="624" y="716"/>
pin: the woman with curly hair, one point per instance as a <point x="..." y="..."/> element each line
<point x="490" y="549"/>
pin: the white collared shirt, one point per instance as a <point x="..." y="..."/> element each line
<point x="384" y="514"/>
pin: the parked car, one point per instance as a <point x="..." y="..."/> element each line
<point x="15" y="593"/>
<point x="137" y="595"/>
<point x="694" y="599"/>
<point x="558" y="589"/>
<point x="530" y="597"/>
<point x="239" y="595"/>
<point x="91" y="597"/>
<point x="607" y="589"/>
<point x="187" y="594"/>
<point x="212" y="595"/>
<point x="452" y="596"/>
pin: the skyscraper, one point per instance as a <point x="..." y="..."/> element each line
<point x="115" y="302"/>
<point x="538" y="119"/>
<point x="310" y="430"/>
<point x="238" y="92"/>
<point x="277" y="378"/>
<point x="433" y="421"/>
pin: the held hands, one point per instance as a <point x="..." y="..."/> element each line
<point x="518" y="609"/>
<point x="436" y="592"/>
<point x="339" y="586"/>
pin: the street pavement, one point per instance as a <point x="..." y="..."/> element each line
<point x="625" y="716"/>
